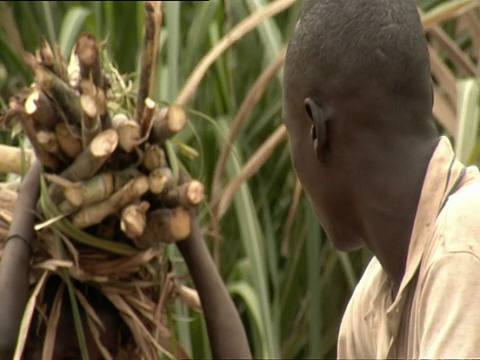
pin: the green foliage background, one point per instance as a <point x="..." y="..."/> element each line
<point x="291" y="301"/>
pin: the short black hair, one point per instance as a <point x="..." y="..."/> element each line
<point x="344" y="45"/>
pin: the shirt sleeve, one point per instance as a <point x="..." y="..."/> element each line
<point x="449" y="325"/>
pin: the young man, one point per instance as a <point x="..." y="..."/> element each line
<point x="358" y="108"/>
<point x="226" y="333"/>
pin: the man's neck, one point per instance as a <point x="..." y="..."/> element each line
<point x="388" y="207"/>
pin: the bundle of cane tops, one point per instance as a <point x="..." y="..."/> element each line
<point x="109" y="197"/>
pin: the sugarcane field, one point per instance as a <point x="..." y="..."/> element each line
<point x="166" y="179"/>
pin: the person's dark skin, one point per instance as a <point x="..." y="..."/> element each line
<point x="361" y="197"/>
<point x="361" y="136"/>
<point x="227" y="336"/>
<point x="15" y="264"/>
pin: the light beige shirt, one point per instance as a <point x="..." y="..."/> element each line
<point x="436" y="313"/>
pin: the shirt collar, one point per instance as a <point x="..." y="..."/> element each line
<point x="443" y="174"/>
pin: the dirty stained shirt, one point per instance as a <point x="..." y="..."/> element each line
<point x="436" y="312"/>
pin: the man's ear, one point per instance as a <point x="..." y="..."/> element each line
<point x="319" y="131"/>
<point x="432" y="92"/>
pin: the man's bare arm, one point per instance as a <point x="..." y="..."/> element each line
<point x="15" y="264"/>
<point x="225" y="330"/>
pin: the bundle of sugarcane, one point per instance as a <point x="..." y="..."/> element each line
<point x="109" y="198"/>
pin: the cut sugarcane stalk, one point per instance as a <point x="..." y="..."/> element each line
<point x="154" y="157"/>
<point x="134" y="219"/>
<point x="69" y="144"/>
<point x="128" y="132"/>
<point x="188" y="195"/>
<point x="95" y="213"/>
<point x="89" y="161"/>
<point x="167" y="225"/>
<point x="167" y="123"/>
<point x="160" y="180"/>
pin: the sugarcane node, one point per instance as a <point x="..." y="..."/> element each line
<point x="128" y="132"/>
<point x="165" y="225"/>
<point x="167" y="123"/>
<point x="154" y="157"/>
<point x="121" y="177"/>
<point x="160" y="180"/>
<point x="39" y="106"/>
<point x="95" y="213"/>
<point x="68" y="142"/>
<point x="134" y="219"/>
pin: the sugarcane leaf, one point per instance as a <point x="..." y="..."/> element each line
<point x="445" y="10"/>
<point x="252" y="236"/>
<point x="348" y="269"/>
<point x="27" y="317"/>
<point x="468" y="92"/>
<point x="71" y="25"/>
<point x="314" y="237"/>
<point x="54" y="317"/>
<point x="96" y="337"/>
<point x="47" y="13"/>
<point x="77" y="320"/>
<point x="269" y="32"/>
<point x="65" y="226"/>
<point x="246" y="292"/>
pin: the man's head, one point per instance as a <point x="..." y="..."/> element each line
<point x="357" y="79"/>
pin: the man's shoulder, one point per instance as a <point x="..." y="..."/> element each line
<point x="355" y="338"/>
<point x="458" y="225"/>
<point x="468" y="193"/>
<point x="370" y="284"/>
